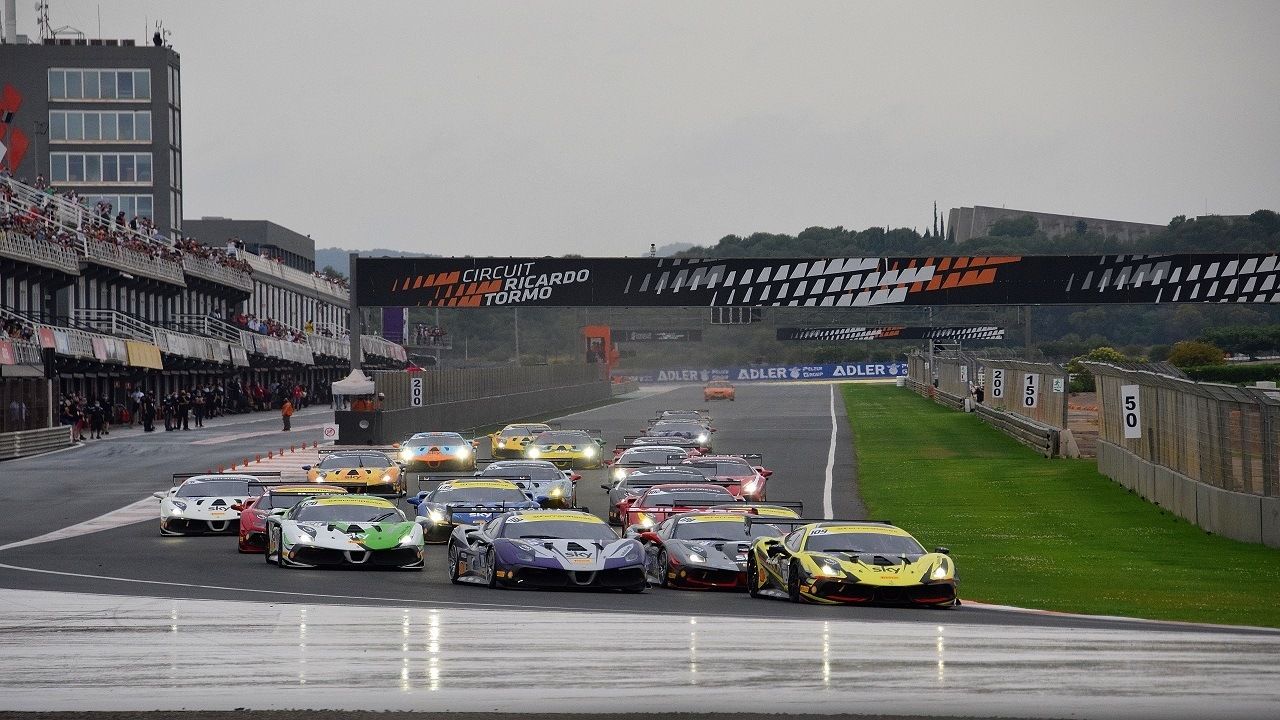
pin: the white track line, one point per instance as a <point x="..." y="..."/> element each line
<point x="827" y="507"/>
<point x="145" y="509"/>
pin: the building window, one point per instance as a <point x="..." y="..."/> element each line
<point x="92" y="126"/>
<point x="101" y="168"/>
<point x="132" y="205"/>
<point x="80" y="84"/>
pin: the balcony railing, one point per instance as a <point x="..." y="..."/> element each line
<point x="38" y="252"/>
<point x="269" y="270"/>
<point x="218" y="273"/>
<point x="374" y="345"/>
<point x="133" y="261"/>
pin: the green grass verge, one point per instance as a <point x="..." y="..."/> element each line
<point x="1050" y="534"/>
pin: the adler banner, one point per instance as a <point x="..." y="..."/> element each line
<point x="816" y="282"/>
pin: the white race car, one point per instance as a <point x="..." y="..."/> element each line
<point x="202" y="504"/>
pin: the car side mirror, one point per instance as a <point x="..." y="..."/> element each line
<point x="942" y="551"/>
<point x="395" y="445"/>
<point x="608" y="463"/>
<point x="763" y="472"/>
<point x="775" y="550"/>
<point x="237" y="506"/>
<point x="603" y="486"/>
<point x="414" y="500"/>
<point x="159" y="495"/>
<point x="279" y="512"/>
<point x="306" y="467"/>
<point x="599" y="441"/>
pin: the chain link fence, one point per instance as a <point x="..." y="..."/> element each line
<point x="458" y="384"/>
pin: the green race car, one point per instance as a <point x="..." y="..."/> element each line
<point x="360" y="530"/>
<point x="849" y="562"/>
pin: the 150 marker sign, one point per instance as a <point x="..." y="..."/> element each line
<point x="1030" y="390"/>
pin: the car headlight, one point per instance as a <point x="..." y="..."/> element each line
<point x="589" y="452"/>
<point x="556" y="492"/>
<point x="463" y="452"/>
<point x="941" y="572"/>
<point x="532" y="453"/>
<point x="406" y="454"/>
<point x="435" y="516"/>
<point x="502" y="444"/>
<point x="408" y="540"/>
<point x="696" y="558"/>
<point x="828" y="567"/>
<point x="619" y="473"/>
<point x="306" y="535"/>
<point x="386" y="478"/>
<point x="702" y="438"/>
<point x="751" y="486"/>
<point x="178" y="507"/>
<point x="633" y="554"/>
<point x="644" y="521"/>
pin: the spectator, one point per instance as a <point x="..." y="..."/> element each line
<point x="286" y="412"/>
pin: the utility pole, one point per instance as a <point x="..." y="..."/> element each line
<point x="517" y="329"/>
<point x="1026" y="327"/>
<point x="353" y="312"/>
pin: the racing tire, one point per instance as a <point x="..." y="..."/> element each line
<point x="664" y="568"/>
<point x="453" y="564"/>
<point x="271" y="537"/>
<point x="753" y="573"/>
<point x="793" y="583"/>
<point x="491" y="559"/>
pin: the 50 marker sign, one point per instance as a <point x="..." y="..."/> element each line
<point x="1131" y="411"/>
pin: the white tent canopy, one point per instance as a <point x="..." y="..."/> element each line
<point x="357" y="383"/>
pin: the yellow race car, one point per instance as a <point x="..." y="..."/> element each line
<point x="849" y="562"/>
<point x="576" y="449"/>
<point x="359" y="471"/>
<point x="509" y="442"/>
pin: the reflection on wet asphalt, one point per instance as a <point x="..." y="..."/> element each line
<point x="67" y="652"/>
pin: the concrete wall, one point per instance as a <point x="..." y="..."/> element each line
<point x="976" y="221"/>
<point x="1239" y="516"/>
<point x="465" y="415"/>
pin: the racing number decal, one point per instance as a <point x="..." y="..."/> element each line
<point x="1131" y="411"/>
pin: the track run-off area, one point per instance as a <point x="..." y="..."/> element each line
<point x="181" y="620"/>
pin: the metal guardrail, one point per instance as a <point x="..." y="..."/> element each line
<point x="39" y="252"/>
<point x="1042" y="438"/>
<point x="32" y="442"/>
<point x="214" y="272"/>
<point x="114" y="322"/>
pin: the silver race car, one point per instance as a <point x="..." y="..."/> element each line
<point x="202" y="504"/>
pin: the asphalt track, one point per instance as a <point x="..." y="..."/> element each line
<point x="791" y="424"/>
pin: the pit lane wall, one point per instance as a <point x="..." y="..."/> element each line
<point x="462" y="400"/>
<point x="768" y="373"/>
<point x="1206" y="452"/>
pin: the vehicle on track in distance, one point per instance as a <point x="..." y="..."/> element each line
<point x="662" y="501"/>
<point x="690" y="446"/>
<point x="751" y="479"/>
<point x="354" y="530"/>
<point x="687" y="429"/>
<point x="541" y="481"/>
<point x="778" y="508"/>
<point x="254" y="511"/>
<point x="547" y="549"/>
<point x="482" y="498"/>
<point x="203" y="504"/>
<point x="577" y="449"/>
<point x="437" y="451"/>
<point x="630" y="458"/>
<point x="694" y="415"/>
<point x="359" y="471"/>
<point x="623" y="492"/>
<point x="719" y="390"/>
<point x="510" y="441"/>
<point x="702" y="550"/>
<point x="849" y="562"/>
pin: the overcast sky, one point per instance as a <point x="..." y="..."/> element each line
<point x="599" y="127"/>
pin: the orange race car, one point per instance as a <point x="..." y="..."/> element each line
<point x="718" y="390"/>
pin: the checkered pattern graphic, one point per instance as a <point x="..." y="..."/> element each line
<point x="894" y="332"/>
<point x="1180" y="278"/>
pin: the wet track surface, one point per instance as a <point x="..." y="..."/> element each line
<point x="789" y="424"/>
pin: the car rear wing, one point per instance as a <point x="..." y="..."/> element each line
<point x="389" y="450"/>
<point x="179" y="478"/>
<point x="769" y="520"/>
<point x="669" y="510"/>
<point x="498" y="509"/>
<point x="754" y="508"/>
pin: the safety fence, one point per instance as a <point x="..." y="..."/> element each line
<point x="1209" y="453"/>
<point x="432" y="387"/>
<point x="1025" y="400"/>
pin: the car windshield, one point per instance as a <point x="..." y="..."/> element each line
<point x="284" y="500"/>
<point x="723" y="530"/>
<point x="682" y="415"/>
<point x="675" y="498"/>
<point x="534" y="471"/>
<point x="564" y="438"/>
<point x="863" y="542"/>
<point x="714" y="468"/>
<point x="557" y="530"/>
<point x="435" y="440"/>
<point x="522" y="431"/>
<point x="348" y="513"/>
<point x="476" y="495"/>
<point x="649" y="456"/>
<point x="365" y="460"/>
<point x="215" y="488"/>
<point x="642" y="478"/>
<point x="682" y="426"/>
<point x="719" y="384"/>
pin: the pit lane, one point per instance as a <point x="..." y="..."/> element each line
<point x="790" y="424"/>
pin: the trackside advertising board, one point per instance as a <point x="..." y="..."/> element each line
<point x="765" y="373"/>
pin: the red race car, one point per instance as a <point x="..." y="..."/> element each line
<point x="254" y="511"/>
<point x="662" y="501"/>
<point x="624" y="491"/>
<point x="702" y="550"/>
<point x="742" y="469"/>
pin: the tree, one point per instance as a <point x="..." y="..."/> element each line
<point x="1192" y="353"/>
<point x="1082" y="227"/>
<point x="1081" y="378"/>
<point x="1024" y="226"/>
<point x="329" y="271"/>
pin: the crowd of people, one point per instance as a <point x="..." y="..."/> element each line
<point x="43" y="220"/>
<point x="18" y="330"/>
<point x="92" y="418"/>
<point x="428" y="334"/>
<point x="269" y="327"/>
